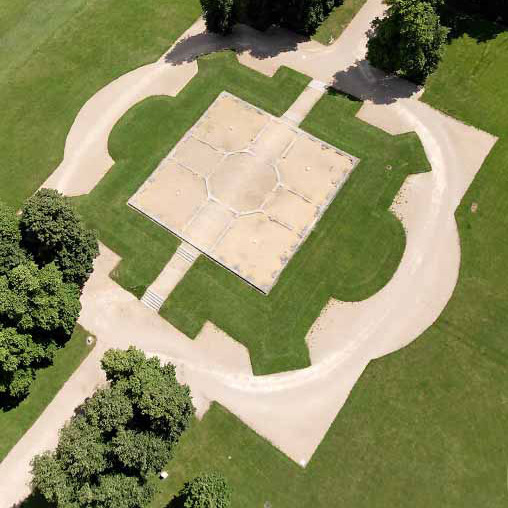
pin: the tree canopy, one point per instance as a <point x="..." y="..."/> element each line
<point x="302" y="16"/>
<point x="52" y="231"/>
<point x="39" y="286"/>
<point x="208" y="490"/>
<point x="409" y="40"/>
<point x="118" y="438"/>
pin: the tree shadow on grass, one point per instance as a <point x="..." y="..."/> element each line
<point x="472" y="25"/>
<point x="34" y="501"/>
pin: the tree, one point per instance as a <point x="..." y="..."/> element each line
<point x="409" y="41"/>
<point x="219" y="15"/>
<point x="52" y="231"/>
<point x="206" y="491"/>
<point x="18" y="355"/>
<point x="117" y="439"/>
<point x="305" y="16"/>
<point x="36" y="300"/>
<point x="162" y="401"/>
<point x="11" y="253"/>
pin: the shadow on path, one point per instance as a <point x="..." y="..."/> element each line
<point x="365" y="82"/>
<point x="260" y="45"/>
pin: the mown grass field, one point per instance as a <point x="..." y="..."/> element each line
<point x="54" y="56"/>
<point x="15" y="422"/>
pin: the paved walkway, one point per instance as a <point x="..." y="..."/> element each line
<point x="293" y="409"/>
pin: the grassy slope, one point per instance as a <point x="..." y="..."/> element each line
<point x="55" y="55"/>
<point x="15" y="422"/>
<point x="144" y="136"/>
<point x="351" y="254"/>
<point x="338" y="19"/>
<point x="425" y="426"/>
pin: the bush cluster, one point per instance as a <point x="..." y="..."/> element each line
<point x="118" y="438"/>
<point x="46" y="256"/>
<point x="301" y="16"/>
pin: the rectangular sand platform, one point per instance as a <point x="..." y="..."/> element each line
<point x="245" y="188"/>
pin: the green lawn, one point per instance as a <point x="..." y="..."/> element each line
<point x="426" y="426"/>
<point x="352" y="253"/>
<point x="15" y="422"/>
<point x="55" y="55"/>
<point x="144" y="136"/>
<point x="337" y="21"/>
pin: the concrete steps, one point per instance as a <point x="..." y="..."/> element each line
<point x="187" y="252"/>
<point x="167" y="280"/>
<point x="152" y="300"/>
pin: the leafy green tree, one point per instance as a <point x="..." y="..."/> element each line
<point x="18" y="354"/>
<point x="117" y="439"/>
<point x="109" y="409"/>
<point x="120" y="491"/>
<point x="36" y="300"/>
<point x="206" y="491"/>
<point x="218" y="15"/>
<point x="141" y="451"/>
<point x="164" y="404"/>
<point x="409" y="41"/>
<point x="52" y="231"/>
<point x="11" y="253"/>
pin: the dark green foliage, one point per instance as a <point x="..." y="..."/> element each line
<point x="11" y="253"/>
<point x="162" y="402"/>
<point x="496" y="10"/>
<point x="206" y="491"/>
<point x="36" y="300"/>
<point x="409" y="40"/>
<point x="302" y="16"/>
<point x="53" y="231"/>
<point x="218" y="15"/>
<point x="39" y="286"/>
<point x="120" y="436"/>
<point x="38" y="312"/>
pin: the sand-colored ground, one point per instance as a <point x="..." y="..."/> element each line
<point x="294" y="409"/>
<point x="245" y="188"/>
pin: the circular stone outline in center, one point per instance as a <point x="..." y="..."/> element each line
<point x="242" y="181"/>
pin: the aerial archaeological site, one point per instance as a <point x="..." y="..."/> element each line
<point x="253" y="254"/>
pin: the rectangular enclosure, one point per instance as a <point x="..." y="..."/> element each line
<point x="245" y="188"/>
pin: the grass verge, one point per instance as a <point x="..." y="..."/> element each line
<point x="333" y="26"/>
<point x="15" y="422"/>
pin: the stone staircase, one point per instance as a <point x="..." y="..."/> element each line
<point x="152" y="300"/>
<point x="187" y="252"/>
<point x="158" y="292"/>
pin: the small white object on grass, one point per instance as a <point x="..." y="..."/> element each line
<point x="229" y="458"/>
<point x="89" y="340"/>
<point x="163" y="475"/>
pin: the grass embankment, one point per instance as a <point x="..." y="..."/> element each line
<point x="352" y="253"/>
<point x="55" y="55"/>
<point x="15" y="422"/>
<point x="333" y="26"/>
<point x="144" y="136"/>
<point x="425" y="426"/>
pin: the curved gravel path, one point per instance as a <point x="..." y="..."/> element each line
<point x="293" y="409"/>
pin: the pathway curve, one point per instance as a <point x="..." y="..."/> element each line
<point x="293" y="409"/>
